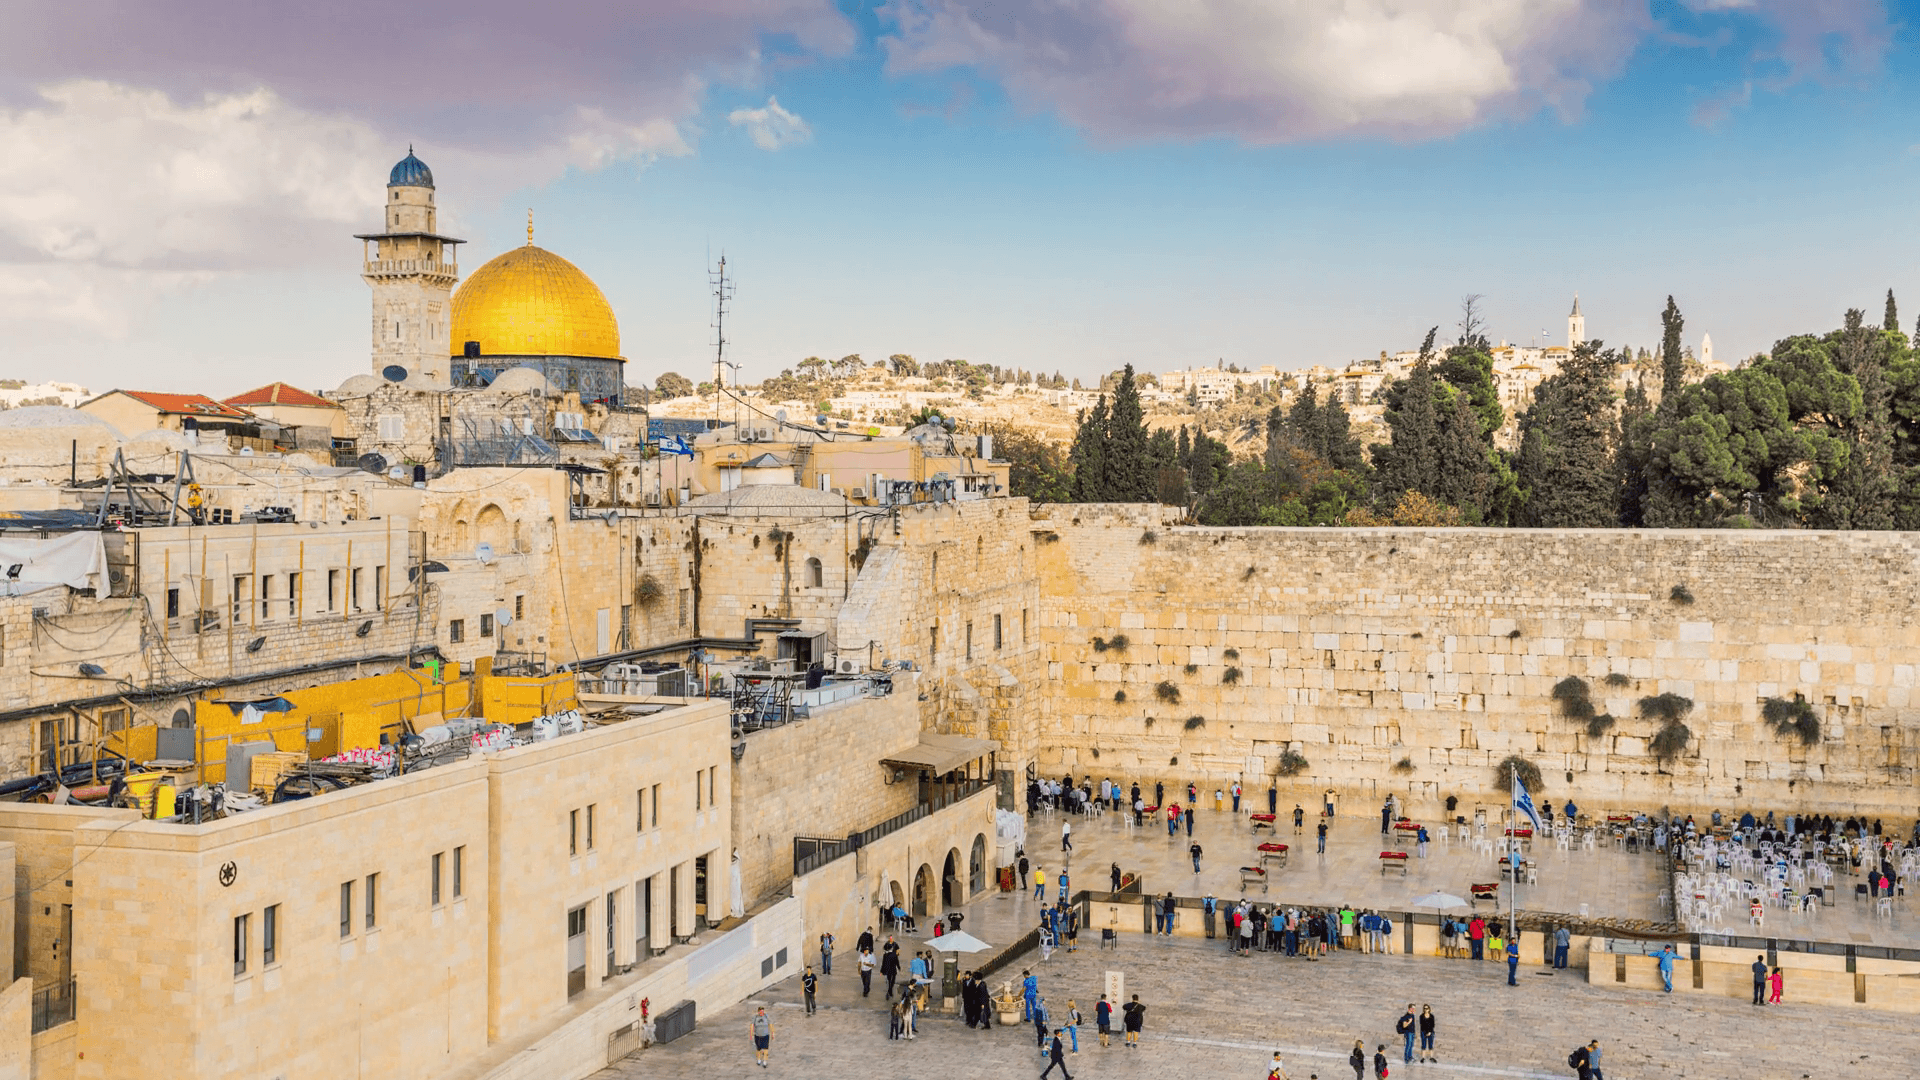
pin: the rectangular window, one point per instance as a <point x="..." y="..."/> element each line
<point x="173" y="603"/>
<point x="371" y="900"/>
<point x="933" y="642"/>
<point x="969" y="639"/>
<point x="293" y="596"/>
<point x="241" y="944"/>
<point x="353" y="589"/>
<point x="1023" y="626"/>
<point x="379" y="588"/>
<point x="573" y="832"/>
<point x="333" y="590"/>
<point x="393" y="427"/>
<point x="486" y="626"/>
<point x="576" y="950"/>
<point x="519" y="606"/>
<point x="640" y="810"/>
<point x="653" y="807"/>
<point x="270" y="936"/>
<point x="459" y="871"/>
<point x="683" y="607"/>
<point x="346" y="909"/>
<point x="112" y="720"/>
<point x="52" y="734"/>
<point x="456" y="630"/>
<point x="626" y="626"/>
<point x="590" y="809"/>
<point x="242" y="596"/>
<point x="642" y="919"/>
<point x="266" y="596"/>
<point x="699" y="789"/>
<point x="613" y="950"/>
<point x="439" y="857"/>
<point x="713" y="779"/>
<point x="996" y="632"/>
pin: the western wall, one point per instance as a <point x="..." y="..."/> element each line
<point x="1413" y="661"/>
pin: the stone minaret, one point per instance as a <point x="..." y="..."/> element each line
<point x="1576" y="326"/>
<point x="411" y="269"/>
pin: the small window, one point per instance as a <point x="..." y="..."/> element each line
<point x="393" y="427"/>
<point x="270" y="936"/>
<point x="640" y="810"/>
<point x="346" y="909"/>
<point x="353" y="589"/>
<point x="996" y="632"/>
<point x="713" y="778"/>
<point x="486" y="626"/>
<point x="333" y="590"/>
<point x="371" y="901"/>
<point x="653" y="807"/>
<point x="519" y="605"/>
<point x="816" y="576"/>
<point x="293" y="596"/>
<point x="173" y="603"/>
<point x="590" y="809"/>
<point x="573" y="832"/>
<point x="439" y="857"/>
<point x="379" y="588"/>
<point x="459" y="871"/>
<point x="699" y="789"/>
<point x="241" y="945"/>
<point x="266" y="596"/>
<point x="969" y="640"/>
<point x="456" y="630"/>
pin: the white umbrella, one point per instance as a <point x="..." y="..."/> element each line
<point x="958" y="941"/>
<point x="1439" y="900"/>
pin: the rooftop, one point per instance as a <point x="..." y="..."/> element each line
<point x="279" y="393"/>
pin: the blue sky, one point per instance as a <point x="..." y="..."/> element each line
<point x="1005" y="213"/>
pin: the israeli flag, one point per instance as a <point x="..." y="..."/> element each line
<point x="1523" y="804"/>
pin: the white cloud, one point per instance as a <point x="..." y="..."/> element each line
<point x="771" y="127"/>
<point x="1266" y="71"/>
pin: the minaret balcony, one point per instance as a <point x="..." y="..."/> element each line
<point x="410" y="268"/>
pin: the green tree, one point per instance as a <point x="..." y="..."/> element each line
<point x="1469" y="369"/>
<point x="1038" y="466"/>
<point x="1088" y="455"/>
<point x="672" y="384"/>
<point x="1633" y="446"/>
<point x="1890" y="322"/>
<point x="1130" y="465"/>
<point x="1407" y="461"/>
<point x="1566" y="458"/>
<point x="1673" y="364"/>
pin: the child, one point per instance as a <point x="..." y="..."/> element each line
<point x="1775" y="982"/>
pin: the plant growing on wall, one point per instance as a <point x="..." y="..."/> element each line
<point x="1248" y="576"/>
<point x="1194" y="723"/>
<point x="1118" y="643"/>
<point x="1792" y="720"/>
<point x="1615" y="678"/>
<point x="1669" y="710"/>
<point x="649" y="592"/>
<point x="1576" y="704"/>
<point x="1230" y="676"/>
<point x="1293" y="763"/>
<point x="1119" y="697"/>
<point x="1515" y="765"/>
<point x="1047" y="536"/>
<point x="1231" y="654"/>
<point x="1191" y="668"/>
<point x="1167" y="692"/>
<point x="1148" y="537"/>
<point x="1681" y="595"/>
<point x="1404" y="766"/>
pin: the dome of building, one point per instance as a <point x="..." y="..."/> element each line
<point x="521" y="380"/>
<point x="531" y="302"/>
<point x="410" y="172"/>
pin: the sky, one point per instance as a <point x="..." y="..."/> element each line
<point x="1055" y="185"/>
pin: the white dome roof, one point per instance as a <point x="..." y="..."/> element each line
<point x="521" y="380"/>
<point x="53" y="416"/>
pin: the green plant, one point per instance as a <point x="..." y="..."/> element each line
<point x="1670" y="741"/>
<point x="1680" y="594"/>
<point x="1230" y="676"/>
<point x="1403" y="766"/>
<point x="858" y="556"/>
<point x="1792" y="719"/>
<point x="1529" y="773"/>
<point x="1046" y="536"/>
<point x="1149" y="723"/>
<point x="1513" y="633"/>
<point x="1118" y="643"/>
<point x="1570" y="688"/>
<point x="648" y="592"/>
<point x="1148" y="537"/>
<point x="1669" y="708"/>
<point x="1119" y="697"/>
<point x="1191" y="668"/>
<point x="1615" y="678"/>
<point x="1248" y="576"/>
<point x="1293" y="763"/>
<point x="1167" y="692"/>
<point x="1174" y="760"/>
<point x="1196" y="722"/>
<point x="1575" y="703"/>
<point x="1599" y="725"/>
<point x="1232" y="654"/>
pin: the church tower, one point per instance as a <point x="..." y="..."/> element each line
<point x="411" y="269"/>
<point x="1576" y="325"/>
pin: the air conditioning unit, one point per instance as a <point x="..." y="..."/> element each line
<point x="653" y="498"/>
<point x="857" y="493"/>
<point x="845" y="665"/>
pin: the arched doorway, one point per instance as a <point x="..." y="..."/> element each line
<point x="951" y="891"/>
<point x="922" y="891"/>
<point x="977" y="866"/>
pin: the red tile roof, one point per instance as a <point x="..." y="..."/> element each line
<point x="279" y="393"/>
<point x="187" y="404"/>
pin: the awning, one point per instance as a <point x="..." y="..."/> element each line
<point x="941" y="753"/>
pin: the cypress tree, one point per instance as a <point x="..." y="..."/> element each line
<point x="1633" y="446"/>
<point x="1566" y="454"/>
<point x="1461" y="464"/>
<point x="1130" y="467"/>
<point x="1407" y="463"/>
<point x="1089" y="455"/>
<point x="1890" y="322"/>
<point x="1673" y="370"/>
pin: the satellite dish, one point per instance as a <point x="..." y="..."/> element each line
<point x="484" y="553"/>
<point x="398" y="472"/>
<point x="373" y="463"/>
<point x="821" y="420"/>
<point x="502" y="616"/>
<point x="780" y="415"/>
<point x="394" y="373"/>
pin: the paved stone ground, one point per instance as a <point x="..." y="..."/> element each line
<point x="1211" y="1015"/>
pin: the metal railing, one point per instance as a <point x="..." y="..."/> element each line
<point x="821" y="853"/>
<point x="53" y="1006"/>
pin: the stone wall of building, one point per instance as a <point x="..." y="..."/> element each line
<point x="820" y="777"/>
<point x="1412" y="661"/>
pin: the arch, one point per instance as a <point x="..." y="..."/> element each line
<point x="490" y="527"/>
<point x="899" y="897"/>
<point x="816" y="574"/>
<point x="462" y="536"/>
<point x="923" y="891"/>
<point x="952" y="891"/>
<point x="977" y="866"/>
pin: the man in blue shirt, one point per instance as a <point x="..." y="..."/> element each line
<point x="1666" y="967"/>
<point x="1513" y="960"/>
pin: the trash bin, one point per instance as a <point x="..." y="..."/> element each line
<point x="950" y="975"/>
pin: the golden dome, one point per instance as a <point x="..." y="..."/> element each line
<point x="531" y="302"/>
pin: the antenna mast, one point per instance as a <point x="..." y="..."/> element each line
<point x="722" y="293"/>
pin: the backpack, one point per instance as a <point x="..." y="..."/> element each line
<point x="1577" y="1059"/>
